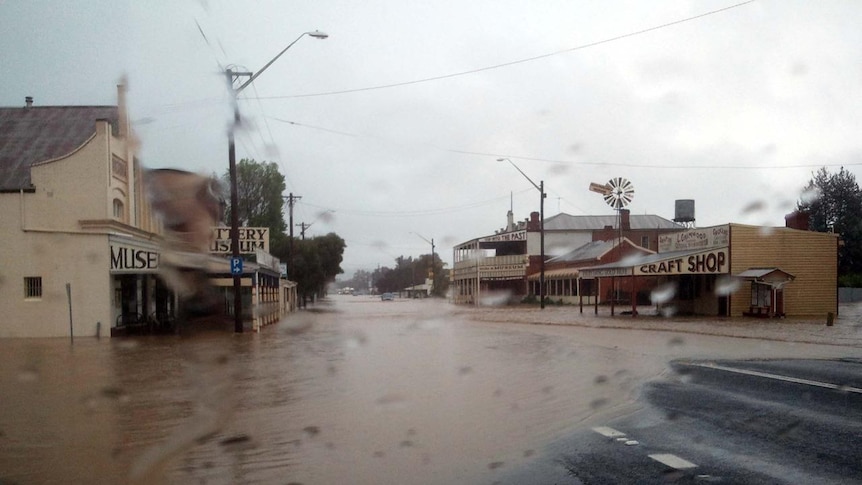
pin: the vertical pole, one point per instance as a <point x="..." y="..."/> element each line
<point x="69" y="298"/>
<point x="234" y="210"/>
<point x="542" y="244"/>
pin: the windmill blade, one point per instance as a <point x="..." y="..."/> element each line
<point x="621" y="194"/>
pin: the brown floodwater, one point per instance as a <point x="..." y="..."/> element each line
<point x="353" y="390"/>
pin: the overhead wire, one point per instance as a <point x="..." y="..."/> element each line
<point x="569" y="162"/>
<point x="515" y="62"/>
<point x="412" y="213"/>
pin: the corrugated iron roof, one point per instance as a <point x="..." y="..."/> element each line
<point x="39" y="133"/>
<point x="590" y="251"/>
<point x="567" y="222"/>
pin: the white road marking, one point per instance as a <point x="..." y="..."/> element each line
<point x="608" y="432"/>
<point x="672" y="461"/>
<point x="765" y="375"/>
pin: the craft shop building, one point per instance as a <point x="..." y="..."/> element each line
<point x="734" y="270"/>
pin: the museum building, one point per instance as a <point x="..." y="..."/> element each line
<point x="80" y="248"/>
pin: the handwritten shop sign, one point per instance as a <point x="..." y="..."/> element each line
<point x="708" y="237"/>
<point x="506" y="236"/>
<point x="251" y="239"/>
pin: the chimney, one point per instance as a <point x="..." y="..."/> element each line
<point x="533" y="223"/>
<point x="28" y="101"/>
<point x="797" y="220"/>
<point x="123" y="128"/>
<point x="625" y="221"/>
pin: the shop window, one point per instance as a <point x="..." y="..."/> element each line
<point x="119" y="210"/>
<point x="760" y="295"/>
<point x="33" y="287"/>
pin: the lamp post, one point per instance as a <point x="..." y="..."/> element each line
<point x="542" y="195"/>
<point x="431" y="242"/>
<point x="232" y="76"/>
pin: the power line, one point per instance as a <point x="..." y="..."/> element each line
<point x="436" y="211"/>
<point x="576" y="162"/>
<point x="512" y="63"/>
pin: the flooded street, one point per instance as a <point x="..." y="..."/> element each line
<point x="353" y="390"/>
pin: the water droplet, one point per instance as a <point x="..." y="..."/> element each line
<point x="663" y="293"/>
<point x="239" y="439"/>
<point x="495" y="464"/>
<point x="406" y="444"/>
<point x="632" y="443"/>
<point x="600" y="379"/>
<point x="726" y="285"/>
<point x="597" y="403"/>
<point x="28" y="376"/>
<point x="754" y="206"/>
<point x="311" y="431"/>
<point x="675" y="341"/>
<point x="356" y="340"/>
<point x="668" y="311"/>
<point x="810" y="195"/>
<point x="529" y="453"/>
<point x="497" y="298"/>
<point x="465" y="370"/>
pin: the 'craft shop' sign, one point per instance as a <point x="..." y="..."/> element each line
<point x="251" y="239"/>
<point x="709" y="262"/>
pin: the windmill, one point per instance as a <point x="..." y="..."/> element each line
<point x="618" y="193"/>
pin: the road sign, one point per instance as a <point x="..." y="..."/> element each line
<point x="235" y="266"/>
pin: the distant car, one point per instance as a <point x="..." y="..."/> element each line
<point x="387" y="296"/>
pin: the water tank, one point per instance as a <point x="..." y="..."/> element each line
<point x="684" y="211"/>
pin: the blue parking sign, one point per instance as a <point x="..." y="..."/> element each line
<point x="235" y="266"/>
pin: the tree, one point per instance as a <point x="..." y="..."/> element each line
<point x="833" y="203"/>
<point x="259" y="202"/>
<point x="410" y="272"/>
<point x="316" y="262"/>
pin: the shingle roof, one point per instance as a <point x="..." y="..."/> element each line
<point x="39" y="133"/>
<point x="566" y="222"/>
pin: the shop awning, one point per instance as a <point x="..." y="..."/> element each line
<point x="556" y="274"/>
<point x="770" y="276"/>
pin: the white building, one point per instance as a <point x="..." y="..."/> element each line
<point x="79" y="247"/>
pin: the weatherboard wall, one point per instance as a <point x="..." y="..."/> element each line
<point x="811" y="257"/>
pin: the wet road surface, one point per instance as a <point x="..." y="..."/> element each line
<point x="353" y="390"/>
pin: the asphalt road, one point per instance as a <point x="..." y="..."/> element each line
<point x="748" y="422"/>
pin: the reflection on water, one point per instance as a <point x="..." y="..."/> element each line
<point x="359" y="391"/>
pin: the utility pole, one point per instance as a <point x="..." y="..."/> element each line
<point x="304" y="226"/>
<point x="291" y="200"/>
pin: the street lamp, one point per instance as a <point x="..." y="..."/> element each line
<point x="542" y="195"/>
<point x="232" y="76"/>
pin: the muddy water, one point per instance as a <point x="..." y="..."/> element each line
<point x="354" y="391"/>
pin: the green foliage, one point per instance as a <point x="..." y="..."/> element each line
<point x="259" y="196"/>
<point x="833" y="202"/>
<point x="853" y="280"/>
<point x="410" y="272"/>
<point x="315" y="262"/>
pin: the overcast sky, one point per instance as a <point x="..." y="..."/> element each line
<point x="396" y="120"/>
